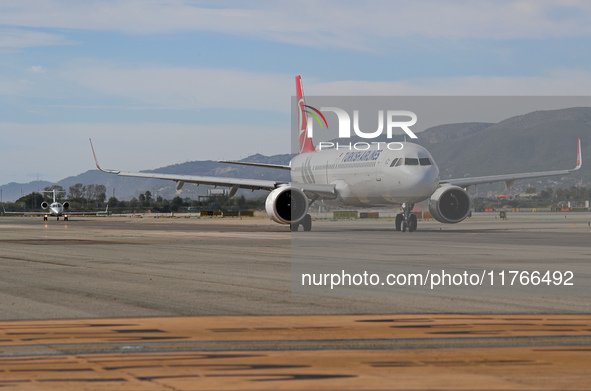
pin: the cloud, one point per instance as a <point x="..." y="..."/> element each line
<point x="186" y="88"/>
<point x="138" y="146"/>
<point x="175" y="88"/>
<point x="346" y="24"/>
<point x="559" y="82"/>
<point x="13" y="88"/>
<point x="37" y="69"/>
<point x="13" y="38"/>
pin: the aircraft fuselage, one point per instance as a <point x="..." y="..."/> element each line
<point x="56" y="209"/>
<point x="375" y="177"/>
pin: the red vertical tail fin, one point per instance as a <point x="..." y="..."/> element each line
<point x="305" y="141"/>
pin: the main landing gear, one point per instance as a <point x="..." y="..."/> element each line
<point x="306" y="223"/>
<point x="406" y="220"/>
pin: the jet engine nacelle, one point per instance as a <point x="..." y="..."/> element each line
<point x="66" y="205"/>
<point x="44" y="205"/>
<point x="450" y="204"/>
<point x="286" y="205"/>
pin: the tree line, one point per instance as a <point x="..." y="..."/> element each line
<point x="574" y="193"/>
<point x="147" y="202"/>
<point x="93" y="196"/>
<point x="534" y="199"/>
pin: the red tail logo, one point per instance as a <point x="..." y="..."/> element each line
<point x="305" y="140"/>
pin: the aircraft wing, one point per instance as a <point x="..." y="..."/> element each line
<point x="48" y="213"/>
<point x="314" y="190"/>
<point x="511" y="178"/>
<point x="238" y="183"/>
<point x="100" y="212"/>
<point x="25" y="213"/>
<point x="84" y="213"/>
<point x="264" y="165"/>
<point x="234" y="183"/>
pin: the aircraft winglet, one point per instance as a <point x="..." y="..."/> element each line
<point x="96" y="161"/>
<point x="579" y="156"/>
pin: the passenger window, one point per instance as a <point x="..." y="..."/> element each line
<point x="409" y="161"/>
<point x="425" y="161"/>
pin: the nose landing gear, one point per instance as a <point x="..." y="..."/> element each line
<point x="406" y="220"/>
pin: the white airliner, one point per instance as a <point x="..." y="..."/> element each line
<point x="376" y="177"/>
<point x="56" y="209"/>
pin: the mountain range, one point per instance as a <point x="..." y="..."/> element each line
<point x="537" y="141"/>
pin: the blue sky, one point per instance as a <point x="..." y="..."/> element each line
<point x="157" y="82"/>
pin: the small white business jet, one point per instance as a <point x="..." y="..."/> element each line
<point x="56" y="209"/>
<point x="374" y="177"/>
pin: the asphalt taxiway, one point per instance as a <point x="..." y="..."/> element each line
<point x="144" y="303"/>
<point x="132" y="266"/>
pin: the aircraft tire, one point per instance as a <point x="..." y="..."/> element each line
<point x="412" y="223"/>
<point x="294" y="227"/>
<point x="307" y="223"/>
<point x="399" y="220"/>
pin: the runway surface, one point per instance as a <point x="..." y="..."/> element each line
<point x="196" y="304"/>
<point x="121" y="267"/>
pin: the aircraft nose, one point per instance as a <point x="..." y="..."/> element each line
<point x="424" y="180"/>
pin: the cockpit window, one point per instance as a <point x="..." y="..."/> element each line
<point x="411" y="161"/>
<point x="425" y="161"/>
<point x="394" y="162"/>
<point x="400" y="162"/>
